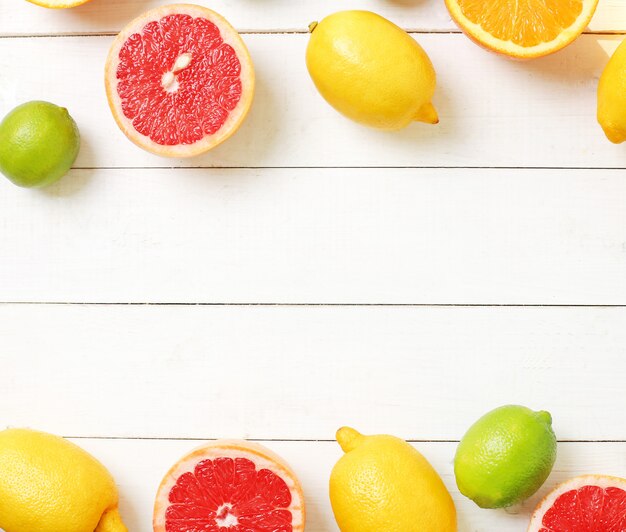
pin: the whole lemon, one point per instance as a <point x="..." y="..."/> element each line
<point x="371" y="71"/>
<point x="384" y="484"/>
<point x="505" y="456"/>
<point x="48" y="484"/>
<point x="39" y="142"/>
<point x="612" y="97"/>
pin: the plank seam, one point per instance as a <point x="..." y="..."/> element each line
<point x="287" y="304"/>
<point x="427" y="167"/>
<point x="294" y="440"/>
<point x="258" y="32"/>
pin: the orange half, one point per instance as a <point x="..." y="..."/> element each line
<point x="522" y="28"/>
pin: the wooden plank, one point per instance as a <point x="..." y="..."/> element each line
<point x="318" y="236"/>
<point x="248" y="15"/>
<point x="491" y="109"/>
<point x="139" y="465"/>
<point x="280" y="372"/>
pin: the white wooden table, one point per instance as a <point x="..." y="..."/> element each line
<point x="311" y="273"/>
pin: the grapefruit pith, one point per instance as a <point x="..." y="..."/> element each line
<point x="179" y="80"/>
<point x="589" y="503"/>
<point x="230" y="486"/>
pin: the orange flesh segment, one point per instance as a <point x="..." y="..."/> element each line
<point x="524" y="22"/>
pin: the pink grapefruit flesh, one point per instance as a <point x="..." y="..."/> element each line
<point x="230" y="486"/>
<point x="179" y="80"/>
<point x="591" y="503"/>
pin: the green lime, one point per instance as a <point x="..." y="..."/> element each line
<point x="505" y="456"/>
<point x="39" y="142"/>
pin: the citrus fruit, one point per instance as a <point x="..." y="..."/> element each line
<point x="589" y="503"/>
<point x="505" y="456"/>
<point x="39" y="142"/>
<point x="179" y="80"/>
<point x="524" y="28"/>
<point x="58" y="4"/>
<point x="371" y="71"/>
<point x="48" y="484"/>
<point x="612" y="97"/>
<point x="382" y="483"/>
<point x="231" y="485"/>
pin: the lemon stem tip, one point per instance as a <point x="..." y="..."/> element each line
<point x="312" y="26"/>
<point x="111" y="521"/>
<point x="427" y="113"/>
<point x="349" y="438"/>
<point x="615" y="135"/>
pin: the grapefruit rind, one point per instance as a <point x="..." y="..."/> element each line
<point x="235" y="118"/>
<point x="262" y="457"/>
<point x="483" y="38"/>
<point x="601" y="481"/>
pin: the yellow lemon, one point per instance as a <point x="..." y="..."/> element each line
<point x="371" y="71"/>
<point x="612" y="97"/>
<point x="384" y="484"/>
<point x="48" y="484"/>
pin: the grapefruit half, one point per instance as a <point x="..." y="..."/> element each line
<point x="589" y="503"/>
<point x="179" y="80"/>
<point x="230" y="486"/>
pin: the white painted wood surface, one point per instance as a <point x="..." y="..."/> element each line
<point x="318" y="236"/>
<point x="106" y="16"/>
<point x="272" y="372"/>
<point x="273" y="218"/>
<point x="494" y="112"/>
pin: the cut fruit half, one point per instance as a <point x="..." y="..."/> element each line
<point x="522" y="28"/>
<point x="58" y="4"/>
<point x="179" y="80"/>
<point x="230" y="486"/>
<point x="590" y="503"/>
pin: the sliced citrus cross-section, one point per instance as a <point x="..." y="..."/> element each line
<point x="179" y="80"/>
<point x="58" y="4"/>
<point x="523" y="28"/>
<point x="233" y="486"/>
<point x="589" y="503"/>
